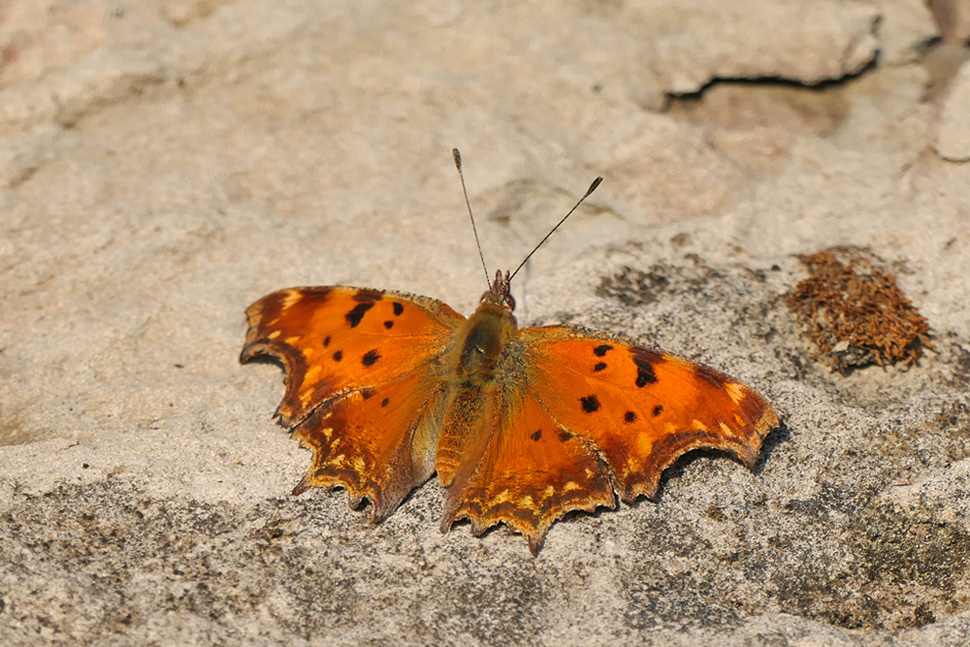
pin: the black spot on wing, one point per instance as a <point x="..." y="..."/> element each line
<point x="536" y="435"/>
<point x="354" y="316"/>
<point x="385" y="402"/>
<point x="326" y="341"/>
<point x="590" y="403"/>
<point x="657" y="410"/>
<point x="370" y="358"/>
<point x="645" y="374"/>
<point x="338" y="355"/>
<point x="601" y="350"/>
<point x="388" y="324"/>
<point x="367" y="394"/>
<point x="564" y="435"/>
<point x="398" y="309"/>
<point x="629" y="417"/>
<point x="599" y="367"/>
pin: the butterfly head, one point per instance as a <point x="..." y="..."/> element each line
<point x="500" y="291"/>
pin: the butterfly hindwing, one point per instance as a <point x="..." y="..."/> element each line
<point x="527" y="472"/>
<point x="377" y="443"/>
<point x="363" y="383"/>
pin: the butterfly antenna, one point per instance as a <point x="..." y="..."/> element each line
<point x="592" y="187"/>
<point x="457" y="155"/>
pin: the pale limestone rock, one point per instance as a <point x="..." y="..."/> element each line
<point x="906" y="27"/>
<point x="163" y="164"/>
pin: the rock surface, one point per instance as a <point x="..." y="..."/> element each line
<point x="164" y="164"/>
<point x="953" y="16"/>
<point x="952" y="136"/>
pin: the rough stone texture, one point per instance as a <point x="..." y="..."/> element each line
<point x="952" y="136"/>
<point x="164" y="164"/>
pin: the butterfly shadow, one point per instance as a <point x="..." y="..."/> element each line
<point x="270" y="360"/>
<point x="777" y="436"/>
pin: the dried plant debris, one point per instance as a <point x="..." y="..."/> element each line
<point x="856" y="313"/>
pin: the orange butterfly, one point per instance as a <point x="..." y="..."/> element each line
<point x="521" y="425"/>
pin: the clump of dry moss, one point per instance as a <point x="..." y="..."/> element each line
<point x="858" y="317"/>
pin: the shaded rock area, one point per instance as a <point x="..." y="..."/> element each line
<point x="952" y="141"/>
<point x="164" y="164"/>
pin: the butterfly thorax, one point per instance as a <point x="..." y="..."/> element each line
<point x="481" y="341"/>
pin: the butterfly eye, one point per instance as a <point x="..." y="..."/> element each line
<point x="509" y="300"/>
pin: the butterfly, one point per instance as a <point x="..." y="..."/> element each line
<point x="521" y="425"/>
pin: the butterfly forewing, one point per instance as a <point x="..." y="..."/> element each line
<point x="640" y="408"/>
<point x="334" y="339"/>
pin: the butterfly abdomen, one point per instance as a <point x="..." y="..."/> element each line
<point x="475" y="362"/>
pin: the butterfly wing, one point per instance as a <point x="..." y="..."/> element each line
<point x="363" y="383"/>
<point x="526" y="470"/>
<point x="642" y="408"/>
<point x="578" y="416"/>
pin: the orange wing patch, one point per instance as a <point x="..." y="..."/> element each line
<point x="332" y="339"/>
<point x="640" y="408"/>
